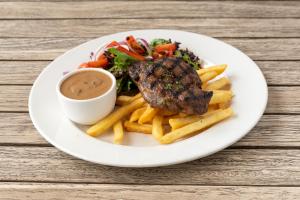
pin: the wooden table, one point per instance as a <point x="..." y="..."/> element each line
<point x="263" y="165"/>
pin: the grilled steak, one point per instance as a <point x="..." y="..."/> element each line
<point x="172" y="84"/>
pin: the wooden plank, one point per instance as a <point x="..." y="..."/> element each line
<point x="50" y="191"/>
<point x="49" y="48"/>
<point x="228" y="167"/>
<point x="271" y="131"/>
<point x="94" y="27"/>
<point x="148" y="9"/>
<point x="281" y="99"/>
<point x="25" y="72"/>
<point x="17" y="128"/>
<point x="20" y="72"/>
<point x="274" y="131"/>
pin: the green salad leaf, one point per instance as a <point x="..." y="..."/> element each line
<point x="159" y="41"/>
<point x="188" y="57"/>
<point x="119" y="69"/>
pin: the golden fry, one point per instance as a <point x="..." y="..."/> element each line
<point x="220" y="96"/>
<point x="157" y="128"/>
<point x="224" y="105"/>
<point x="118" y="132"/>
<point x="176" y="123"/>
<point x="208" y="76"/>
<point x="217" y="84"/>
<point x="196" y="126"/>
<point x="138" y="95"/>
<point x="135" y="127"/>
<point x="115" y="116"/>
<point x="148" y="115"/>
<point x="123" y="100"/>
<point x="212" y="107"/>
<point x="217" y="68"/>
<point x="137" y="114"/>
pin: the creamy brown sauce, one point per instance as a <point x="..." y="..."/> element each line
<point x="86" y="85"/>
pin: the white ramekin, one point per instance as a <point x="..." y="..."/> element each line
<point x="88" y="111"/>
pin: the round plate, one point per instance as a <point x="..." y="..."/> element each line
<point x="140" y="150"/>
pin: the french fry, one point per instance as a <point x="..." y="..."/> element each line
<point x="196" y="126"/>
<point x="135" y="127"/>
<point x="208" y="76"/>
<point x="123" y="100"/>
<point x="220" y="96"/>
<point x="212" y="107"/>
<point x="107" y="122"/>
<point x="217" y="84"/>
<point x="118" y="132"/>
<point x="176" y="123"/>
<point x="157" y="128"/>
<point x="148" y="115"/>
<point x="166" y="119"/>
<point x="137" y="114"/>
<point x="224" y="105"/>
<point x="217" y="68"/>
<point x="138" y="95"/>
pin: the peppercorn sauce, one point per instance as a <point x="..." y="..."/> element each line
<point x="86" y="84"/>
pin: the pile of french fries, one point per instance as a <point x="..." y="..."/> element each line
<point x="135" y="115"/>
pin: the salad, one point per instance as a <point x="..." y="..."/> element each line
<point x="116" y="57"/>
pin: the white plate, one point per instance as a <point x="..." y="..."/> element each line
<point x="248" y="85"/>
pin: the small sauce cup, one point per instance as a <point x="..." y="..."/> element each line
<point x="88" y="111"/>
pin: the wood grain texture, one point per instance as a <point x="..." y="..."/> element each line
<point x="271" y="131"/>
<point x="94" y="27"/>
<point x="25" y="72"/>
<point x="50" y="48"/>
<point x="148" y="9"/>
<point x="228" y="167"/>
<point x="281" y="99"/>
<point x="37" y="191"/>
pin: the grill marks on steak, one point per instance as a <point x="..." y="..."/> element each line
<point x="172" y="84"/>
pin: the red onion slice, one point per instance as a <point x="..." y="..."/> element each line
<point x="145" y="44"/>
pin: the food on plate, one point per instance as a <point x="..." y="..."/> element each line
<point x="136" y="127"/>
<point x="162" y="90"/>
<point x="178" y="122"/>
<point x="114" y="117"/>
<point x="208" y="76"/>
<point x="171" y="84"/>
<point x="86" y="85"/>
<point x="137" y="114"/>
<point x="196" y="126"/>
<point x="218" y="84"/>
<point x="87" y="95"/>
<point x="123" y="100"/>
<point x="219" y="69"/>
<point x="118" y="132"/>
<point x="148" y="115"/>
<point x="221" y="96"/>
<point x="157" y="127"/>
